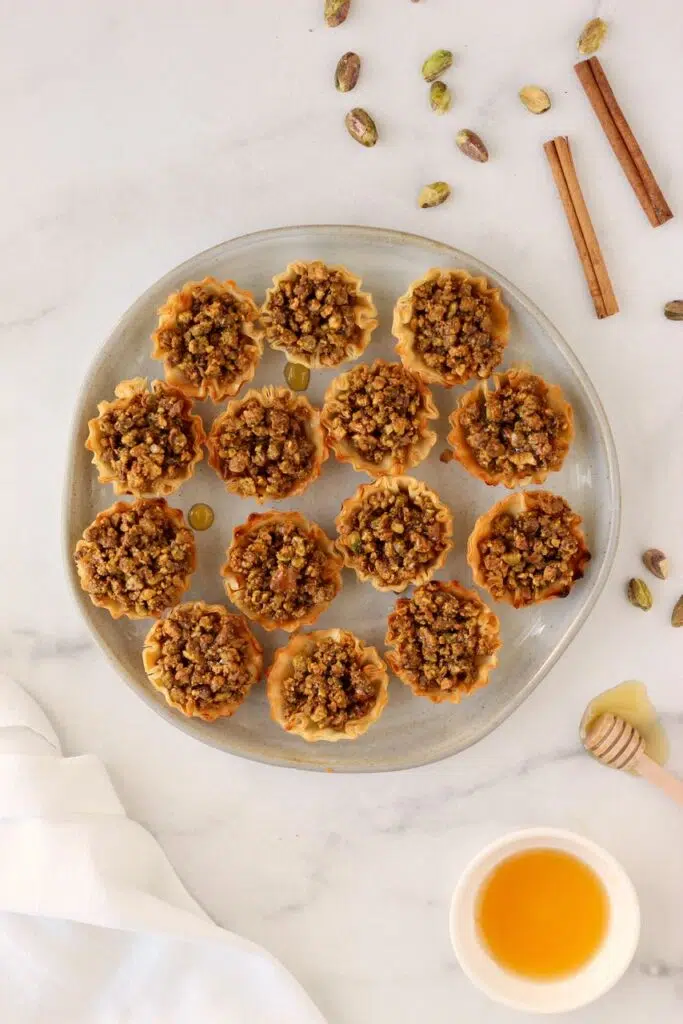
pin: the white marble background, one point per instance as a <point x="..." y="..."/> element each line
<point x="138" y="132"/>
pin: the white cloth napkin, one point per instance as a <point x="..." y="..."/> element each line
<point x="95" y="926"/>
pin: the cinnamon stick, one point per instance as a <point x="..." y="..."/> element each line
<point x="586" y="242"/>
<point x="622" y="140"/>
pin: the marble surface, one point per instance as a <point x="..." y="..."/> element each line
<point x="139" y="133"/>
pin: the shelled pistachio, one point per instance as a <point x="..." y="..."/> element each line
<point x="535" y="99"/>
<point x="436" y="64"/>
<point x="347" y="72"/>
<point x="434" y="194"/>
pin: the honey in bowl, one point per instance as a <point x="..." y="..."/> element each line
<point x="542" y="914"/>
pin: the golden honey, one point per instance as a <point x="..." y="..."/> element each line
<point x="630" y="701"/>
<point x="200" y="516"/>
<point x="297" y="376"/>
<point x="542" y="913"/>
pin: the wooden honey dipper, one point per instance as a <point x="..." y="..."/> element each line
<point x="618" y="744"/>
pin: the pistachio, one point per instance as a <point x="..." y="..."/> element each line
<point x="639" y="594"/>
<point x="657" y="562"/>
<point x="434" y="194"/>
<point x="534" y="98"/>
<point x="439" y="97"/>
<point x="674" y="310"/>
<point x="471" y="145"/>
<point x="677" y="613"/>
<point x="361" y="127"/>
<point x="436" y="64"/>
<point x="348" y="70"/>
<point x="446" y="456"/>
<point x="592" y="37"/>
<point x="336" y="12"/>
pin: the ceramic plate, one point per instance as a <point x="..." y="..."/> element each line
<point x="412" y="731"/>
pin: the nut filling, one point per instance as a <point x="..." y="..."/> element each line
<point x="207" y="659"/>
<point x="136" y="559"/>
<point x="513" y="428"/>
<point x="283" y="572"/>
<point x="264" y="449"/>
<point x="206" y="342"/>
<point x="525" y="554"/>
<point x="452" y="328"/>
<point x="393" y="535"/>
<point x="146" y="437"/>
<point x="442" y="635"/>
<point x="379" y="411"/>
<point x="315" y="313"/>
<point x="328" y="685"/>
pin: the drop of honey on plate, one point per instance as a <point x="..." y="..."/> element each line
<point x="631" y="702"/>
<point x="200" y="516"/>
<point x="297" y="376"/>
<point x="542" y="913"/>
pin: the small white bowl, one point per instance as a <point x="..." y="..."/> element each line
<point x="598" y="975"/>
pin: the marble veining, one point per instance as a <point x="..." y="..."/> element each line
<point x="134" y="143"/>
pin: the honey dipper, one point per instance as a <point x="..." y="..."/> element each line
<point x="618" y="744"/>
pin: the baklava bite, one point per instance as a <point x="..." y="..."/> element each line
<point x="136" y="559"/>
<point x="327" y="685"/>
<point x="282" y="570"/>
<point x="528" y="548"/>
<point x="451" y="327"/>
<point x="203" y="659"/>
<point x="444" y="641"/>
<point x="268" y="445"/>
<point x="514" y="432"/>
<point x="317" y="315"/>
<point x="377" y="418"/>
<point x="146" y="442"/>
<point x="394" y="532"/>
<point x="208" y="338"/>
